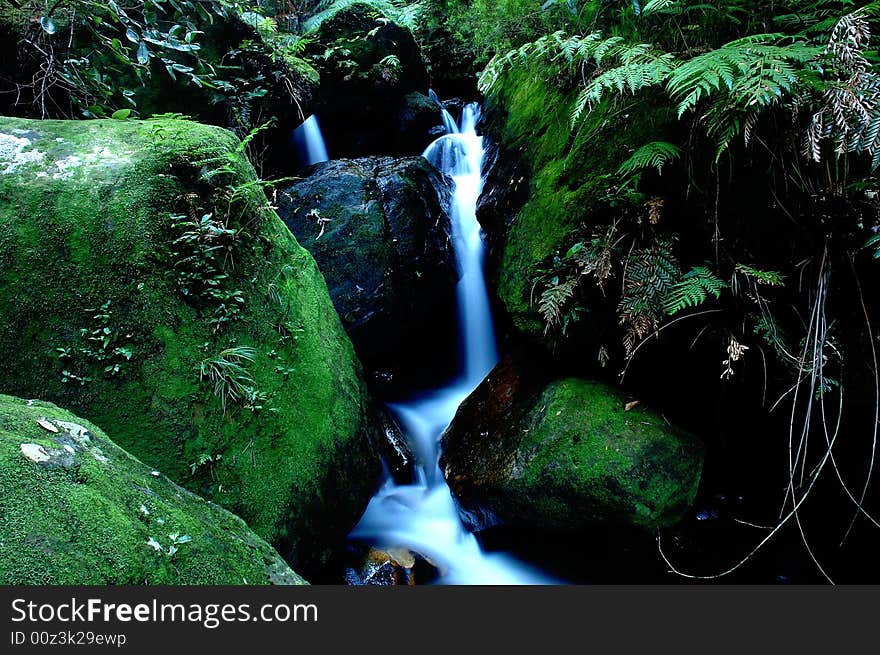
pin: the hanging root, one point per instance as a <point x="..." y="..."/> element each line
<point x="810" y="390"/>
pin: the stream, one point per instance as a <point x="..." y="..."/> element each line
<point x="423" y="516"/>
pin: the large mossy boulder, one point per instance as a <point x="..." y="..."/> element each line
<point x="379" y="229"/>
<point x="565" y="455"/>
<point x="76" y="509"/>
<point x="146" y="285"/>
<point x="549" y="179"/>
<point x="373" y="83"/>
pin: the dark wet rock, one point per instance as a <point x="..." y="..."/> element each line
<point x="379" y="230"/>
<point x="371" y="70"/>
<point x="395" y="451"/>
<point x="418" y="118"/>
<point x="564" y="454"/>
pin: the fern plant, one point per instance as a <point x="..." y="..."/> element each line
<point x="651" y="155"/>
<point x="405" y="14"/>
<point x="650" y="273"/>
<point x="693" y="289"/>
<point x="850" y="112"/>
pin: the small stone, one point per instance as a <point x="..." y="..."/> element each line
<point x="35" y="452"/>
<point x="44" y="423"/>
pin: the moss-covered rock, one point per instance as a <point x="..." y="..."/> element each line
<point x="548" y="179"/>
<point x="145" y="284"/>
<point x="77" y="509"/>
<point x="379" y="229"/>
<point x="565" y="455"/>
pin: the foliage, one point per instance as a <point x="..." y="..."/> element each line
<point x="102" y="349"/>
<point x="651" y="155"/>
<point x="850" y="111"/>
<point x="693" y="289"/>
<point x="201" y="254"/>
<point x="650" y="274"/>
<point x="228" y="373"/>
<point x="99" y="52"/>
<point x="405" y="14"/>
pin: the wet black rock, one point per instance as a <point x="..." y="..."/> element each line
<point x="379" y="230"/>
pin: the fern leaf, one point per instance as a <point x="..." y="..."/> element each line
<point x="652" y="155"/>
<point x="694" y="289"/>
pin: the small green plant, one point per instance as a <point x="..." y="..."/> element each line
<point x="229" y="375"/>
<point x="201" y="254"/>
<point x="101" y="348"/>
<point x="176" y="540"/>
<point x="693" y="289"/>
<point x="209" y="461"/>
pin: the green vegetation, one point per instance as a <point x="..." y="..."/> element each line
<point x="109" y="195"/>
<point x="77" y="509"/>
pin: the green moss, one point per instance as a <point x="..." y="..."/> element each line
<point x="90" y="221"/>
<point x="570" y="171"/>
<point x="581" y="443"/>
<point x="567" y="455"/>
<point x="87" y="513"/>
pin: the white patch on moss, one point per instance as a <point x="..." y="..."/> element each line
<point x="14" y="153"/>
<point x="99" y="156"/>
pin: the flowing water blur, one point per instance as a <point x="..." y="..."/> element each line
<point x="309" y="142"/>
<point x="423" y="516"/>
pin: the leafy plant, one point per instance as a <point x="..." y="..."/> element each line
<point x="651" y="155"/>
<point x="403" y="13"/>
<point x="101" y="348"/>
<point x="650" y="274"/>
<point x="693" y="289"/>
<point x="228" y="373"/>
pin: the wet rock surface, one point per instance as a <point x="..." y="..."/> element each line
<point x="379" y="229"/>
<point x="389" y="568"/>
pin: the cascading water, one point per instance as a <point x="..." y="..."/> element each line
<point x="310" y="142"/>
<point x="423" y="516"/>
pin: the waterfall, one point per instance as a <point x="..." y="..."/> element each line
<point x="423" y="516"/>
<point x="448" y="122"/>
<point x="310" y="142"/>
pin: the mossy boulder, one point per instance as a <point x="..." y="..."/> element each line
<point x="146" y="285"/>
<point x="549" y="179"/>
<point x="564" y="455"/>
<point x="76" y="509"/>
<point x="379" y="229"/>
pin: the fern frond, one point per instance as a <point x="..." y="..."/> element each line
<point x="403" y="13"/>
<point x="649" y="275"/>
<point x="553" y="303"/>
<point x="641" y="66"/>
<point x="694" y="288"/>
<point x="651" y="155"/>
<point x="770" y="278"/>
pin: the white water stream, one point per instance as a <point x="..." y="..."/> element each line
<point x="423" y="516"/>
<point x="310" y="142"/>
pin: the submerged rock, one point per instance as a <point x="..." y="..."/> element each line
<point x="564" y="455"/>
<point x="76" y="509"/>
<point x="379" y="230"/>
<point x="145" y="284"/>
<point x="390" y="568"/>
